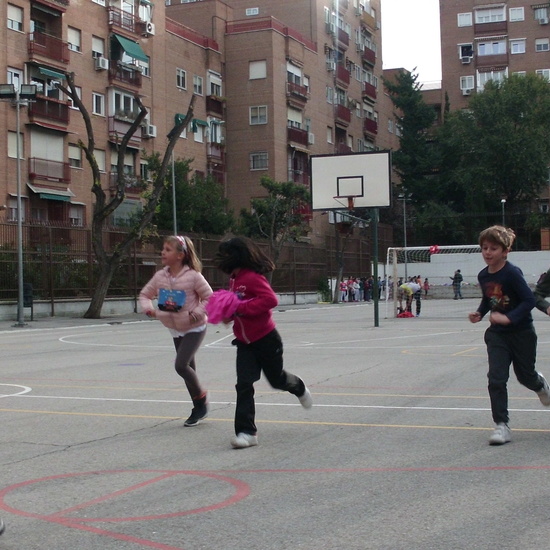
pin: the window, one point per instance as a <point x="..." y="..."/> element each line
<point x="258" y="115"/>
<point x="517" y="46"/>
<point x="466" y="82"/>
<point x="215" y="129"/>
<point x="294" y="118"/>
<point x="15" y="18"/>
<point x="464" y="19"/>
<point x="329" y="135"/>
<point x="75" y="156"/>
<point x="257" y="69"/>
<point x="98" y="47"/>
<point x="466" y="50"/>
<point x="181" y="79"/>
<point x="545" y="73"/>
<point x="15" y="77"/>
<point x="123" y="105"/>
<point x="100" y="2"/>
<point x="490" y="15"/>
<point x="74" y="39"/>
<point x="79" y="95"/>
<point x="76" y="215"/>
<point x="517" y="14"/>
<point x="197" y="84"/>
<point x="390" y="126"/>
<point x="484" y="77"/>
<point x="98" y="104"/>
<point x="259" y="161"/>
<point x="330" y="95"/>
<point x="541" y="13"/>
<point x="100" y="159"/>
<point x="520" y="73"/>
<point x="12" y="145"/>
<point x="198" y="131"/>
<point x="491" y="48"/>
<point x="214" y="83"/>
<point x="542" y="44"/>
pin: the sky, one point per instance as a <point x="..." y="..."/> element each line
<point x="411" y="38"/>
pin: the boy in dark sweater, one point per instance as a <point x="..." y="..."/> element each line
<point x="511" y="337"/>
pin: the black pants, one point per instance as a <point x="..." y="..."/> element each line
<point x="264" y="355"/>
<point x="505" y="348"/>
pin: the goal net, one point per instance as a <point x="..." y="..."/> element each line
<point x="437" y="265"/>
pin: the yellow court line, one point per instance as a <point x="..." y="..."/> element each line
<point x="295" y="422"/>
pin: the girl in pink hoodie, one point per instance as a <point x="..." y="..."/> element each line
<point x="182" y="294"/>
<point x="259" y="345"/>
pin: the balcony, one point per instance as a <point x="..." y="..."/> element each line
<point x="125" y="73"/>
<point x="493" y="27"/>
<point x="368" y="56"/>
<point x="133" y="185"/>
<point x="123" y="20"/>
<point x="215" y="152"/>
<point x="342" y="74"/>
<point x="120" y="124"/>
<point x="49" y="170"/>
<point x="498" y="60"/>
<point x="369" y="91"/>
<point x="370" y="127"/>
<point x="343" y="149"/>
<point x="215" y="105"/>
<point x="297" y="135"/>
<point x="297" y="91"/>
<point x="49" y="108"/>
<point x="217" y="174"/>
<point x="298" y="176"/>
<point x="368" y="20"/>
<point x="45" y="45"/>
<point x="343" y="115"/>
<point x="343" y="38"/>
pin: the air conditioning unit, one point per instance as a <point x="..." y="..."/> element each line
<point x="359" y="46"/>
<point x="466" y="60"/>
<point x="148" y="28"/>
<point x="466" y="91"/>
<point x="331" y="28"/>
<point x="543" y="21"/>
<point x="149" y="131"/>
<point x="311" y="138"/>
<point x="358" y="11"/>
<point x="331" y="65"/>
<point x="101" y="64"/>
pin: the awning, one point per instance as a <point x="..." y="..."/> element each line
<point x="52" y="194"/>
<point x="133" y="49"/>
<point x="196" y="123"/>
<point x="53" y="74"/>
<point x="49" y="126"/>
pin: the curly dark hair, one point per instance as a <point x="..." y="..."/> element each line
<point x="239" y="252"/>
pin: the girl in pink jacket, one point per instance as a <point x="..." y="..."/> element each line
<point x="259" y="345"/>
<point x="182" y="293"/>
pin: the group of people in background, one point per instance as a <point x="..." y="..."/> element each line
<point x="362" y="289"/>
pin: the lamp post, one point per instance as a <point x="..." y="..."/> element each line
<point x="18" y="97"/>
<point x="503" y="205"/>
<point x="404" y="197"/>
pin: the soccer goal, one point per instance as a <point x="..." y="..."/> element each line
<point x="438" y="265"/>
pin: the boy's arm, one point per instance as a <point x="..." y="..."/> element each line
<point x="542" y="290"/>
<point x="525" y="295"/>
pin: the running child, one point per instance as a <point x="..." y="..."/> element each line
<point x="259" y="345"/>
<point x="182" y="294"/>
<point x="511" y="337"/>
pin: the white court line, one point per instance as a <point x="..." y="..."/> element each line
<point x="25" y="389"/>
<point x="315" y="406"/>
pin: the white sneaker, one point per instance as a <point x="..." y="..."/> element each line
<point x="242" y="441"/>
<point x="306" y="399"/>
<point x="544" y="394"/>
<point x="2" y="527"/>
<point x="501" y="435"/>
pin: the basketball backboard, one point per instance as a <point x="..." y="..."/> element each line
<point x="363" y="179"/>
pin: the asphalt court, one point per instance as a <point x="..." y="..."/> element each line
<point x="392" y="455"/>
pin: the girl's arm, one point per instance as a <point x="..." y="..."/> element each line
<point x="147" y="294"/>
<point x="259" y="297"/>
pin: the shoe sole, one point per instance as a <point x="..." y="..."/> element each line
<point x="497" y="443"/>
<point x="193" y="424"/>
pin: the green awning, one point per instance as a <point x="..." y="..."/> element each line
<point x="50" y="197"/>
<point x="196" y="122"/>
<point x="133" y="49"/>
<point x="53" y="74"/>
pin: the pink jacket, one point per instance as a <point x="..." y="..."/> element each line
<point x="253" y="319"/>
<point x="197" y="291"/>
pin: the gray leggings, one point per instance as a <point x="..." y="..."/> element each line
<point x="186" y="347"/>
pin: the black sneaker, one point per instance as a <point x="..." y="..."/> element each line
<point x="2" y="527"/>
<point x="198" y="414"/>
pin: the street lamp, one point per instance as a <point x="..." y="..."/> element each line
<point x="18" y="97"/>
<point x="404" y="197"/>
<point x="503" y="204"/>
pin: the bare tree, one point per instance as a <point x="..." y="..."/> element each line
<point x="104" y="205"/>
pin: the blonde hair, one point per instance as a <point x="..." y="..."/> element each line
<point x="184" y="244"/>
<point x="498" y="234"/>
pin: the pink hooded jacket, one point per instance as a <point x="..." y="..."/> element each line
<point x="197" y="291"/>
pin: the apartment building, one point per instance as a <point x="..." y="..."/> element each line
<point x="115" y="50"/>
<point x="276" y="83"/>
<point x="482" y="41"/>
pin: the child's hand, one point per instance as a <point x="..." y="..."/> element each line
<point x="474" y="317"/>
<point x="497" y="318"/>
<point x="548" y="311"/>
<point x="227" y="321"/>
<point x="151" y="313"/>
